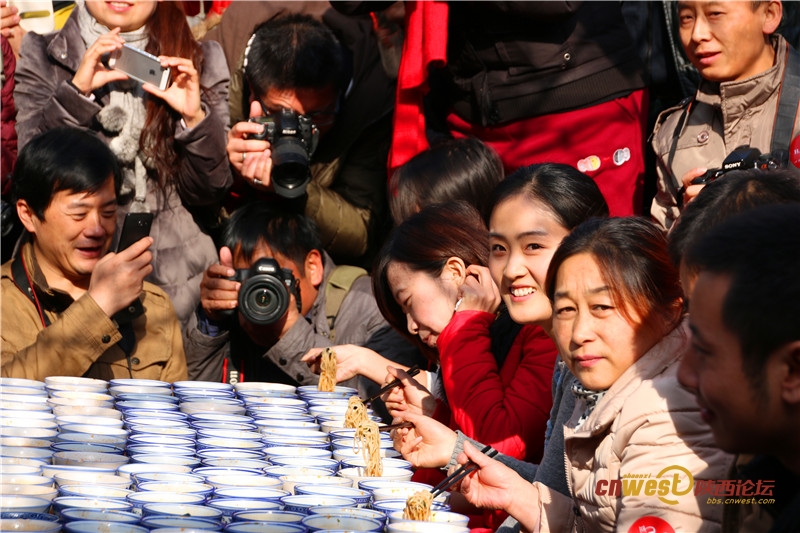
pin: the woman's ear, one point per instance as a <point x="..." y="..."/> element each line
<point x="454" y="270"/>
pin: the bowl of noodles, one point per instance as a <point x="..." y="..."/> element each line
<point x="447" y="517"/>
<point x="359" y="473"/>
<point x="410" y="526"/>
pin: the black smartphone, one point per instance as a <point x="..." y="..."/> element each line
<point x="135" y="228"/>
<point x="140" y="65"/>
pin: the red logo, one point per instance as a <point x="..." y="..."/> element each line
<point x="651" y="524"/>
<point x="794" y="152"/>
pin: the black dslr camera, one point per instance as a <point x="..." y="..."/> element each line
<point x="743" y="158"/>
<point x="293" y="139"/>
<point x="264" y="295"/>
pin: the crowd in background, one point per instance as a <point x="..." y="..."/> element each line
<point x="565" y="213"/>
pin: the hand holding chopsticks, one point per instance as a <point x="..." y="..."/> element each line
<point x="413" y="371"/>
<point x="461" y="472"/>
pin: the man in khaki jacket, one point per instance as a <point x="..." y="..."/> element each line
<point x="63" y="295"/>
<point x="744" y="67"/>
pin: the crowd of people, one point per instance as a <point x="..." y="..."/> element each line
<point x="589" y="246"/>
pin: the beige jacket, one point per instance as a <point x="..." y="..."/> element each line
<point x="645" y="424"/>
<point x="81" y="339"/>
<point x="722" y="117"/>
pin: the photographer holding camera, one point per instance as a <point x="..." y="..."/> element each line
<point x="746" y="104"/>
<point x="317" y="137"/>
<point x="276" y="294"/>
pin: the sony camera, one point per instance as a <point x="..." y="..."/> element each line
<point x="265" y="292"/>
<point x="743" y="158"/>
<point x="293" y="139"/>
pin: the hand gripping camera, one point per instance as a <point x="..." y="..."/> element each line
<point x="265" y="293"/>
<point x="743" y="158"/>
<point x="293" y="139"/>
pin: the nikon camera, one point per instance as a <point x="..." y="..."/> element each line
<point x="293" y="139"/>
<point x="265" y="293"/>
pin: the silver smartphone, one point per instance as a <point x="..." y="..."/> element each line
<point x="141" y="66"/>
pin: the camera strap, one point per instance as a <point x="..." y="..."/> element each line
<point x="336" y="289"/>
<point x="22" y="279"/>
<point x="788" y="101"/>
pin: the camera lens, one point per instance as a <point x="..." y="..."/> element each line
<point x="290" y="171"/>
<point x="263" y="299"/>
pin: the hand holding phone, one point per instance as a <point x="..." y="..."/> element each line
<point x="135" y="228"/>
<point x="139" y="65"/>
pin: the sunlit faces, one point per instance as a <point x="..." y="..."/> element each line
<point x="74" y="234"/>
<point x="523" y="235"/>
<point x="598" y="343"/>
<point x="743" y="419"/>
<point x="728" y="41"/>
<point x="427" y="301"/>
<point x="127" y="15"/>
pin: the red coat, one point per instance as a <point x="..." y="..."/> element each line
<point x="508" y="407"/>
<point x="9" y="118"/>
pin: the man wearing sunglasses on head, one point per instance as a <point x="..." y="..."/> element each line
<point x="318" y="132"/>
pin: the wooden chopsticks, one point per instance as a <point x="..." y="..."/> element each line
<point x="395" y="426"/>
<point x="413" y="371"/>
<point x="461" y="472"/>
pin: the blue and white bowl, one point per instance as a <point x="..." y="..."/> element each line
<point x="94" y="491"/>
<point x="307" y="462"/>
<point x="177" y="487"/>
<point x="445" y="517"/>
<point x="296" y="451"/>
<point x="131" y="469"/>
<point x="66" y="502"/>
<point x="101" y="526"/>
<point x="154" y="458"/>
<point x="425" y="527"/>
<point x="24" y="504"/>
<point x="301" y="503"/>
<point x="228" y="506"/>
<point x="250" y="464"/>
<point x="252" y="493"/>
<point x="72" y="514"/>
<point x="362" y="497"/>
<point x="281" y="517"/>
<point x="264" y="527"/>
<point x="22" y="524"/>
<point x="363" y="512"/>
<point x="28" y="479"/>
<point x="36" y="491"/>
<point x="181" y="509"/>
<point x="233" y="481"/>
<point x="319" y="522"/>
<point x="387" y="506"/>
<point x="156" y="522"/>
<point x="140" y="499"/>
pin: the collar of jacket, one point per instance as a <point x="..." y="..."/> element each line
<point x="66" y="45"/>
<point x="665" y="353"/>
<point x="736" y="99"/>
<point x="52" y="300"/>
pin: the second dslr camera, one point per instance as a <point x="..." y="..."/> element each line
<point x="265" y="293"/>
<point x="293" y="139"/>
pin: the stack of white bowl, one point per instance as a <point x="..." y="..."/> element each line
<point x="27" y="429"/>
